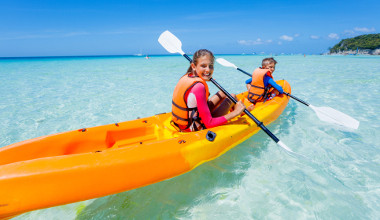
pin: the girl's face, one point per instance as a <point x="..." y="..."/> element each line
<point x="204" y="67"/>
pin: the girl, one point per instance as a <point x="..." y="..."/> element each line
<point x="191" y="108"/>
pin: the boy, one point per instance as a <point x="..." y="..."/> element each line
<point x="259" y="86"/>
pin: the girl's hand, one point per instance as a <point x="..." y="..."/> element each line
<point x="249" y="108"/>
<point x="239" y="108"/>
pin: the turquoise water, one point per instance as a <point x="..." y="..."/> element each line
<point x="338" y="179"/>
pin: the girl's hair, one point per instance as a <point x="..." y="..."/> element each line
<point x="197" y="55"/>
<point x="268" y="61"/>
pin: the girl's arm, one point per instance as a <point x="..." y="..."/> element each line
<point x="199" y="91"/>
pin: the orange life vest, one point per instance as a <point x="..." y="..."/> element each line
<point x="183" y="116"/>
<point x="258" y="91"/>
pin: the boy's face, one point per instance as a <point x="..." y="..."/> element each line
<point x="271" y="67"/>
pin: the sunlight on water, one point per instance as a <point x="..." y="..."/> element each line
<point x="338" y="178"/>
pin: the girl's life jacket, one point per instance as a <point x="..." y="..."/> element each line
<point x="183" y="116"/>
<point x="258" y="91"/>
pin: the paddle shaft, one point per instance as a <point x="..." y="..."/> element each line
<point x="259" y="123"/>
<point x="303" y="102"/>
<point x="188" y="58"/>
<point x="326" y="114"/>
<point x="244" y="72"/>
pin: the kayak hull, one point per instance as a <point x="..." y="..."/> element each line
<point x="89" y="163"/>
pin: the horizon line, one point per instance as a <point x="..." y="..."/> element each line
<point x="151" y="55"/>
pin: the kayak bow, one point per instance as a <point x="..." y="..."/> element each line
<point x="93" y="162"/>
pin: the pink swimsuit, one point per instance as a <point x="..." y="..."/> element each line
<point x="199" y="91"/>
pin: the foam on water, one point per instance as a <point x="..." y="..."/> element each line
<point x="337" y="179"/>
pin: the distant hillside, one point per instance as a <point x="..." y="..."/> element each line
<point x="365" y="44"/>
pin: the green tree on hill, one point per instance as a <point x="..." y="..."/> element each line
<point x="367" y="41"/>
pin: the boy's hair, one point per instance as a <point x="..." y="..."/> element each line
<point x="268" y="61"/>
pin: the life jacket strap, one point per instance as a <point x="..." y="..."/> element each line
<point x="259" y="87"/>
<point x="190" y="121"/>
<point x="260" y="97"/>
<point x="182" y="108"/>
<point x="251" y="99"/>
<point x="176" y="126"/>
<point x="195" y="118"/>
<point x="180" y="118"/>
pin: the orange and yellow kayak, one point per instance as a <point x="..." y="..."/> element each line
<point x="93" y="162"/>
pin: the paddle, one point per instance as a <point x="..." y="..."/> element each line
<point x="324" y="113"/>
<point x="173" y="45"/>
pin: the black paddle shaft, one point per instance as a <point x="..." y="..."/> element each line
<point x="259" y="123"/>
<point x="188" y="58"/>
<point x="244" y="72"/>
<point x="303" y="102"/>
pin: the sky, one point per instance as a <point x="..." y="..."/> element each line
<point x="31" y="28"/>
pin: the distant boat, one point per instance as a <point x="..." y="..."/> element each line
<point x="139" y="54"/>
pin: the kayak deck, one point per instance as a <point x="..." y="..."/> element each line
<point x="89" y="140"/>
<point x="62" y="168"/>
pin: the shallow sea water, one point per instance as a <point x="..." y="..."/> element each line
<point x="338" y="177"/>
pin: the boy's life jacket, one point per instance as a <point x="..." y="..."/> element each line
<point x="183" y="116"/>
<point x="258" y="91"/>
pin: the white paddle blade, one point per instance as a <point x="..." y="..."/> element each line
<point x="170" y="42"/>
<point x="284" y="147"/>
<point x="334" y="116"/>
<point x="224" y="62"/>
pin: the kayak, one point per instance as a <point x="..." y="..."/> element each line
<point x="98" y="161"/>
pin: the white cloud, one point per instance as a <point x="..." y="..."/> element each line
<point x="364" y="29"/>
<point x="315" y="37"/>
<point x="286" y="37"/>
<point x="245" y="42"/>
<point x="348" y="32"/>
<point x="254" y="42"/>
<point x="333" y="36"/>
<point x="357" y="31"/>
<point x="279" y="43"/>
<point x="296" y="35"/>
<point x="258" y="41"/>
